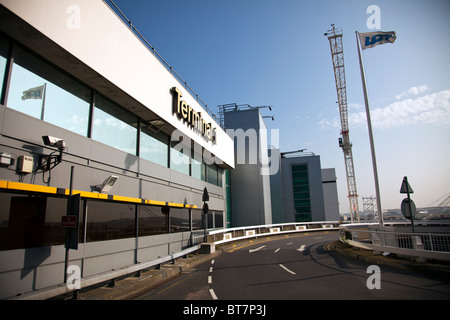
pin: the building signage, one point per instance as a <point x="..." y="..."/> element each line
<point x="69" y="221"/>
<point x="192" y="118"/>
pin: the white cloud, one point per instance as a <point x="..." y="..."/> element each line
<point x="431" y="109"/>
<point x="414" y="91"/>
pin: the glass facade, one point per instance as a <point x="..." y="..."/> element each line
<point x="43" y="92"/>
<point x="154" y="145"/>
<point x="35" y="221"/>
<point x="302" y="201"/>
<point x="114" y="126"/>
<point x="40" y="90"/>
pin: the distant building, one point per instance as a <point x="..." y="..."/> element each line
<point x="250" y="189"/>
<point x="302" y="191"/>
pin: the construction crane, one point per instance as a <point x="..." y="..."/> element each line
<point x="337" y="55"/>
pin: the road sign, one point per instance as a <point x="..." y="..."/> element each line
<point x="406" y="188"/>
<point x="408" y="208"/>
<point x="205" y="196"/>
<point x="69" y="221"/>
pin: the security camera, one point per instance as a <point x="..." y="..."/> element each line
<point x="54" y="142"/>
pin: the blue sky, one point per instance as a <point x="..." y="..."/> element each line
<point x="267" y="52"/>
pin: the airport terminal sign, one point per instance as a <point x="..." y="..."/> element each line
<point x="191" y="117"/>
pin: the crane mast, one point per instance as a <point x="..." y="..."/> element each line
<point x="337" y="55"/>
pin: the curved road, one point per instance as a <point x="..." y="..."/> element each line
<point x="299" y="266"/>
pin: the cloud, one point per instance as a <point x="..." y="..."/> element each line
<point x="431" y="109"/>
<point x="414" y="91"/>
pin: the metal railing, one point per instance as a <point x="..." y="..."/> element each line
<point x="421" y="245"/>
<point x="233" y="234"/>
<point x="152" y="49"/>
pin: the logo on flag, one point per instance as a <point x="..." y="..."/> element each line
<point x="33" y="93"/>
<point x="372" y="39"/>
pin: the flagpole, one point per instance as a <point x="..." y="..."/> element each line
<point x="369" y="124"/>
<point x="43" y="101"/>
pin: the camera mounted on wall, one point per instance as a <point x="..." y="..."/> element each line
<point x="48" y="162"/>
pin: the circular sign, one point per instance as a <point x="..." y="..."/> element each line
<point x="408" y="208"/>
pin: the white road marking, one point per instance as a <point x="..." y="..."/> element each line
<point x="209" y="279"/>
<point x="213" y="295"/>
<point x="277" y="250"/>
<point x="291" y="272"/>
<point x="288" y="244"/>
<point x="257" y="249"/>
<point x="302" y="247"/>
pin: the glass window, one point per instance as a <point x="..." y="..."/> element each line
<point x="31" y="221"/>
<point x="180" y="156"/>
<point x="43" y="92"/>
<point x="179" y="220"/>
<point x="114" y="126"/>
<point x="218" y="219"/>
<point x="198" y="167"/>
<point x="211" y="173"/>
<point x="302" y="202"/>
<point x="153" y="220"/>
<point x="4" y="48"/>
<point x="110" y="221"/>
<point x="154" y="145"/>
<point x="197" y="219"/>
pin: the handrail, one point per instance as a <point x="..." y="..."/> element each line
<point x="421" y="245"/>
<point x="232" y="234"/>
<point x="160" y="58"/>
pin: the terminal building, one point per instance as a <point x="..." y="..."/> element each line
<point x="91" y="113"/>
<point x="88" y="108"/>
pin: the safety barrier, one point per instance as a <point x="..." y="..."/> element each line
<point x="418" y="245"/>
<point x="233" y="234"/>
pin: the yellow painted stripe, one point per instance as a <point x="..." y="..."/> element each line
<point x="30" y="187"/>
<point x="127" y="199"/>
<point x="3" y="184"/>
<point x="179" y="205"/>
<point x="155" y="202"/>
<point x="86" y="194"/>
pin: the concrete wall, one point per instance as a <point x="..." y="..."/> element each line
<point x="330" y="195"/>
<point x="250" y="190"/>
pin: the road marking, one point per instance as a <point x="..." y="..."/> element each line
<point x="277" y="250"/>
<point x="213" y="295"/>
<point x="291" y="272"/>
<point x="211" y="291"/>
<point x="257" y="249"/>
<point x="288" y="244"/>
<point x="302" y="247"/>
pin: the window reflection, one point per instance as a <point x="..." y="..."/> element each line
<point x="179" y="220"/>
<point x="114" y="126"/>
<point x="154" y="145"/>
<point x="153" y="220"/>
<point x="110" y="221"/>
<point x="43" y="92"/>
<point x="4" y="47"/>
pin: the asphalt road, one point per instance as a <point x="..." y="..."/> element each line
<point x="297" y="267"/>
